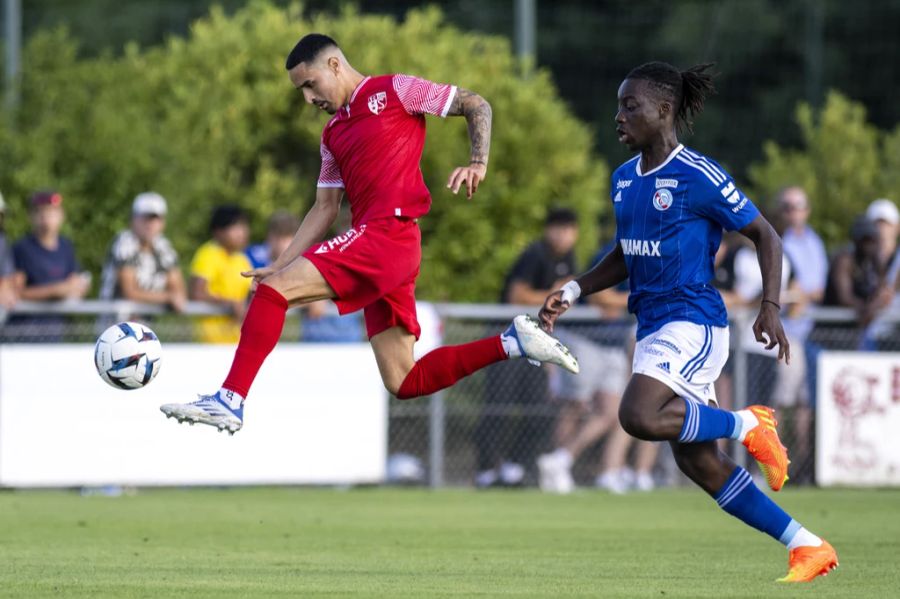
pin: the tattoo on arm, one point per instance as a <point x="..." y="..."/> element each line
<point x="478" y="116"/>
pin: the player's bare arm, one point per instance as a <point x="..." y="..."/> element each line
<point x="609" y="272"/>
<point x="478" y="116"/>
<point x="314" y="227"/>
<point x="768" y="328"/>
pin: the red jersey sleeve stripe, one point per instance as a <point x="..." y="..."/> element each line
<point x="330" y="174"/>
<point x="420" y="96"/>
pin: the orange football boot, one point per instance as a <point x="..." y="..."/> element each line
<point x="764" y="445"/>
<point x="805" y="563"/>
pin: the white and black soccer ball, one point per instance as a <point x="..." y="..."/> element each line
<point x="128" y="355"/>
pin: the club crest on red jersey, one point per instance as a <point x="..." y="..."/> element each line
<point x="377" y="102"/>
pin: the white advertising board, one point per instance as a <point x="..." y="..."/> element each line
<point x="317" y="414"/>
<point x="858" y="419"/>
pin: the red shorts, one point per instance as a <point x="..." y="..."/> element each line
<point x="374" y="267"/>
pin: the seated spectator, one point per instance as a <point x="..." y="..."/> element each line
<point x="216" y="274"/>
<point x="7" y="268"/>
<point x="141" y="264"/>
<point x="46" y="268"/>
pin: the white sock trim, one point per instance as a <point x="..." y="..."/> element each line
<point x="232" y="398"/>
<point x="804" y="538"/>
<point x="510" y="346"/>
<point x="745" y="422"/>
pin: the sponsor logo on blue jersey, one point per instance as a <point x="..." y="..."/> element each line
<point x="640" y="247"/>
<point x="623" y="183"/>
<point x="673" y="183"/>
<point x="733" y="196"/>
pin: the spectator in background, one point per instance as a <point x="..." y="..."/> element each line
<point x="884" y="214"/>
<point x="141" y="264"/>
<point x="506" y="443"/>
<point x="279" y="233"/>
<point x="46" y="268"/>
<point x="857" y="278"/>
<point x="590" y="400"/>
<point x="794" y="390"/>
<point x="216" y="274"/>
<point x="7" y="267"/>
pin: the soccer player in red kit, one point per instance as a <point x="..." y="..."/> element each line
<point x="371" y="149"/>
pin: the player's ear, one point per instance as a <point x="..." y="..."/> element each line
<point x="665" y="109"/>
<point x="334" y="64"/>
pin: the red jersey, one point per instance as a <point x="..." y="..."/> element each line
<point x="372" y="146"/>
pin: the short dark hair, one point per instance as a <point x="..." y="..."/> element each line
<point x="686" y="90"/>
<point x="561" y="216"/>
<point x="308" y="48"/>
<point x="226" y="215"/>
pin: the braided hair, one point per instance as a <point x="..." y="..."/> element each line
<point x="686" y="90"/>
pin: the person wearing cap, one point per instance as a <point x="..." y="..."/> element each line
<point x="7" y="268"/>
<point x="46" y="270"/>
<point x="216" y="274"/>
<point x="141" y="264"/>
<point x="46" y="267"/>
<point x="884" y="214"/>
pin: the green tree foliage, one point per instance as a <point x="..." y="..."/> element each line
<point x="843" y="163"/>
<point x="213" y="118"/>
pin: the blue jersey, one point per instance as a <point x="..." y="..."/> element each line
<point x="669" y="224"/>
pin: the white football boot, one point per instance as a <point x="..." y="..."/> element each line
<point x="208" y="409"/>
<point x="538" y="346"/>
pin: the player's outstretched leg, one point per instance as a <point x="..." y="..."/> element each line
<point x="444" y="366"/>
<point x="734" y="491"/>
<point x="259" y="333"/>
<point x="299" y="281"/>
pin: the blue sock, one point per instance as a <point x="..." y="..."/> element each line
<point x="743" y="500"/>
<point x="702" y="423"/>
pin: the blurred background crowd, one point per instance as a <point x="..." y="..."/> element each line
<point x="213" y="126"/>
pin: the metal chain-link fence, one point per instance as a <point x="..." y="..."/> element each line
<point x="491" y="428"/>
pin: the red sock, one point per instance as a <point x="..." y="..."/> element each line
<point x="259" y="334"/>
<point x="446" y="365"/>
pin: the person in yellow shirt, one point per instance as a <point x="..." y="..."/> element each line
<point x="216" y="274"/>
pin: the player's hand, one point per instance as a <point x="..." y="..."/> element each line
<point x="471" y="175"/>
<point x="768" y="330"/>
<point x="553" y="308"/>
<point x="258" y="274"/>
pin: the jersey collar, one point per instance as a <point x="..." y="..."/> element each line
<point x="668" y="159"/>
<point x="356" y="91"/>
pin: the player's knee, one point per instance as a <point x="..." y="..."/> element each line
<point x="635" y="422"/>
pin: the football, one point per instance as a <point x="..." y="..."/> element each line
<point x="128" y="355"/>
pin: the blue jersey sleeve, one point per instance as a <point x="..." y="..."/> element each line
<point x="719" y="199"/>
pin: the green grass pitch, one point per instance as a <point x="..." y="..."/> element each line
<point x="264" y="542"/>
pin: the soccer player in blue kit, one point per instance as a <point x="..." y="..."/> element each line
<point x="671" y="205"/>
